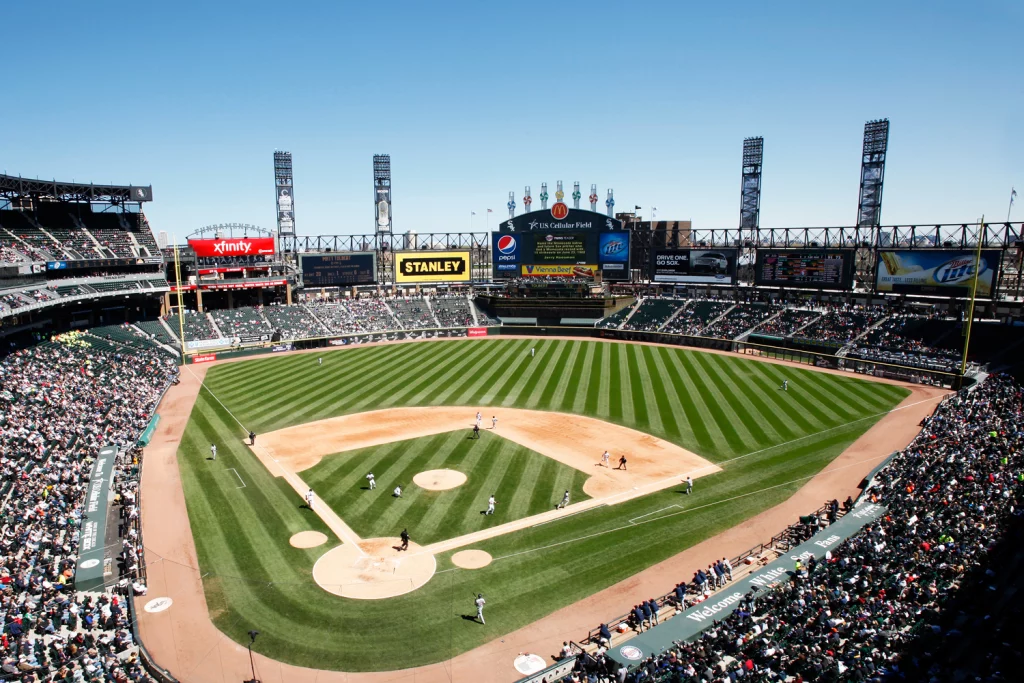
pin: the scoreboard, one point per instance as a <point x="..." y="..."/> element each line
<point x="335" y="270"/>
<point x="819" y="268"/>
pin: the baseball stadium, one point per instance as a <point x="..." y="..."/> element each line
<point x="581" y="446"/>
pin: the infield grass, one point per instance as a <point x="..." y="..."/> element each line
<point x="727" y="409"/>
<point x="523" y="482"/>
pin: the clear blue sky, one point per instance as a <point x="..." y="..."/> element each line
<point x="473" y="100"/>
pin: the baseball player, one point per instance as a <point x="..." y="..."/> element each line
<point x="397" y="492"/>
<point x="213" y="449"/>
<point x="532" y="351"/>
<point x="252" y="438"/>
<point x="476" y="431"/>
<point x="565" y="500"/>
<point x="622" y="463"/>
<point x="373" y="482"/>
<point x="310" y="499"/>
<point x="480" y="602"/>
<point x="606" y="459"/>
<point x="405" y="539"/>
<point x="319" y="361"/>
<point x="785" y="385"/>
<point x="689" y="485"/>
<point x="494" y="422"/>
<point x="479" y="418"/>
<point x="490" y="505"/>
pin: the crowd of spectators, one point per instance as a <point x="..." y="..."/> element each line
<point x="854" y="615"/>
<point x="652" y="313"/>
<point x="196" y="325"/>
<point x="413" y="313"/>
<point x="60" y="401"/>
<point x="695" y="317"/>
<point x="452" y="311"/>
<point x="739" y="320"/>
<point x="245" y="321"/>
<point x="788" y="322"/>
<point x="351" y="316"/>
<point x="841" y="324"/>
<point x="294" y="322"/>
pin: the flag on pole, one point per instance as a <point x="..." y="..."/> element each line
<point x="490" y="210"/>
<point x="472" y="213"/>
<point x="1013" y="193"/>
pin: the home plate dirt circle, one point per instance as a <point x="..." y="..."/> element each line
<point x="439" y="480"/>
<point x="307" y="539"/>
<point x="471" y="559"/>
<point x="379" y="571"/>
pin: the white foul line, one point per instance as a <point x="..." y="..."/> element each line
<point x="239" y="478"/>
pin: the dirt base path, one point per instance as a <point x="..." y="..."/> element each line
<point x="185" y="640"/>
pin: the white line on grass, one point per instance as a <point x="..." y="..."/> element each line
<point x="632" y="521"/>
<point x="239" y="478"/>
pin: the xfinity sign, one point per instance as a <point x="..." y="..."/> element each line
<point x="241" y="246"/>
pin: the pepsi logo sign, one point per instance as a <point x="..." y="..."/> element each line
<point x="507" y="244"/>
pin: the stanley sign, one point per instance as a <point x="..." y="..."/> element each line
<point x="413" y="267"/>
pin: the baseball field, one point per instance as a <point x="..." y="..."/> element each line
<point x="404" y="410"/>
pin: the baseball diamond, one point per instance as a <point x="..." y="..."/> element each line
<point x="757" y="446"/>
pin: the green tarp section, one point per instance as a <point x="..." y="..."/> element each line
<point x="89" y="570"/>
<point x="689" y="624"/>
<point x="147" y="433"/>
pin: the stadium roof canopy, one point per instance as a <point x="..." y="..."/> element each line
<point x="13" y="187"/>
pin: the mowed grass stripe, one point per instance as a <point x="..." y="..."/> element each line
<point x="446" y="369"/>
<point x="710" y="398"/>
<point x="615" y="384"/>
<point x="683" y="401"/>
<point x="725" y="394"/>
<point x="825" y="416"/>
<point x="656" y="373"/>
<point x="737" y="393"/>
<point x="543" y="393"/>
<point x="483" y="377"/>
<point x="595" y="370"/>
<point x="778" y="424"/>
<point x="523" y="385"/>
<point x="566" y="391"/>
<point x="508" y="362"/>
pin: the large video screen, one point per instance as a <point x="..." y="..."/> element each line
<point x="561" y="254"/>
<point x="336" y="270"/>
<point x="712" y="266"/>
<point x="927" y="271"/>
<point x="825" y="269"/>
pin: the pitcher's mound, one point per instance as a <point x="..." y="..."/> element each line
<point x="471" y="559"/>
<point x="382" y="571"/>
<point x="439" y="480"/>
<point x="308" y="539"/>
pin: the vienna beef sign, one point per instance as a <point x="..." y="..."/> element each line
<point x="431" y="266"/>
<point x="237" y="246"/>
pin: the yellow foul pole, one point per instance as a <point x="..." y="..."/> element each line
<point x="181" y="306"/>
<point x="974" y="293"/>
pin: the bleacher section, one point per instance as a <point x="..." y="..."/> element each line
<point x="413" y="314"/>
<point x="787" y="323"/>
<point x="452" y="311"/>
<point x="155" y="329"/>
<point x="355" y="315"/>
<point x="653" y="313"/>
<point x="294" y="322"/>
<point x="696" y="316"/>
<point x="196" y="326"/>
<point x="64" y="232"/>
<point x="739" y="320"/>
<point x="241" y="322"/>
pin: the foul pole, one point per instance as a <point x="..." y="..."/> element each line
<point x="974" y="293"/>
<point x="181" y="305"/>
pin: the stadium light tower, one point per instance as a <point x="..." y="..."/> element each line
<point x="872" y="173"/>
<point x="750" y="185"/>
<point x="383" y="224"/>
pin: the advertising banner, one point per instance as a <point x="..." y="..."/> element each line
<point x="89" y="572"/>
<point x="565" y="248"/>
<point x="476" y="332"/>
<point x="559" y="271"/>
<point x="207" y="343"/>
<point x="431" y="266"/>
<point x="613" y="255"/>
<point x="926" y="271"/>
<point x="716" y="266"/>
<point x="204" y="357"/>
<point x="237" y="246"/>
<point x="827" y="269"/>
<point x="285" y="211"/>
<point x="506" y="250"/>
<point x="335" y="270"/>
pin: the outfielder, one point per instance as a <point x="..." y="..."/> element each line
<point x="398" y="492"/>
<point x="319" y="361"/>
<point x="480" y="602"/>
<point x="785" y="385"/>
<point x="490" y="505"/>
<point x="373" y="482"/>
<point x="213" y="449"/>
<point x="531" y="352"/>
<point x="310" y="499"/>
<point x="565" y="500"/>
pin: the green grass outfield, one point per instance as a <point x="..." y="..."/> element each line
<point x="728" y="409"/>
<point x="523" y="482"/>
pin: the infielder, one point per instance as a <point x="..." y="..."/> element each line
<point x="606" y="458"/>
<point x="689" y="485"/>
<point x="310" y="498"/>
<point x="480" y="602"/>
<point x="479" y="418"/>
<point x="405" y="540"/>
<point x="373" y="482"/>
<point x="398" y="492"/>
<point x="565" y="500"/>
<point x="494" y="422"/>
<point x="213" y="449"/>
<point x="490" y="505"/>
